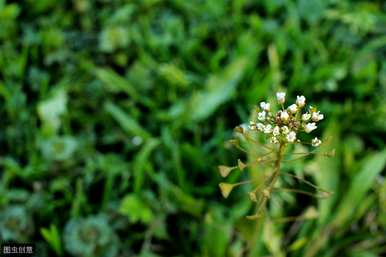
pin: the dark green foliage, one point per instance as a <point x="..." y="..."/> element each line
<point x="114" y="115"/>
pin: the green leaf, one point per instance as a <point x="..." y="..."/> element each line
<point x="140" y="162"/>
<point x="51" y="110"/>
<point x="127" y="123"/>
<point x="52" y="236"/>
<point x="115" y="83"/>
<point x="272" y="238"/>
<point x="217" y="234"/>
<point x="359" y="186"/>
<point x="136" y="209"/>
<point x="327" y="171"/>
<point x="219" y="89"/>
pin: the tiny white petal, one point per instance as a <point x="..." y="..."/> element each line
<point x="300" y="100"/>
<point x="280" y="97"/>
<point x="310" y="127"/>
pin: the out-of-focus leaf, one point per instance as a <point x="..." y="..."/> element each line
<point x="184" y="201"/>
<point x="113" y="38"/>
<point x="174" y="75"/>
<point x="272" y="238"/>
<point x="219" y="89"/>
<point x="135" y="209"/>
<point x="141" y="161"/>
<point x="51" y="235"/>
<point x="128" y="124"/>
<point x="51" y="110"/>
<point x="115" y="83"/>
<point x="326" y="171"/>
<point x="359" y="186"/>
<point x="217" y="235"/>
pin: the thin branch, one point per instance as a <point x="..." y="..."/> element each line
<point x="309" y="183"/>
<point x="298" y="191"/>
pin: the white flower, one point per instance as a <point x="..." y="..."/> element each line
<point x="285" y="130"/>
<point x="284" y="116"/>
<point x="310" y="127"/>
<point x="306" y="116"/>
<point x="261" y="115"/>
<point x="268" y="129"/>
<point x="273" y="140"/>
<point x="265" y="106"/>
<point x="276" y="131"/>
<point x="280" y="97"/>
<point x="260" y="126"/>
<point x="316" y="142"/>
<point x="317" y="116"/>
<point x="300" y="101"/>
<point x="291" y="137"/>
<point x="293" y="108"/>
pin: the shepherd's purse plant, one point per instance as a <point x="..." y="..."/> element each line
<point x="269" y="141"/>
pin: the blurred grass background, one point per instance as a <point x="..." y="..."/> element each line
<point x="114" y="115"/>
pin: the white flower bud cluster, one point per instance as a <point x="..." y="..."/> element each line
<point x="284" y="126"/>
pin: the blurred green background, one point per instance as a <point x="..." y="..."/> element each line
<point x="114" y="115"/>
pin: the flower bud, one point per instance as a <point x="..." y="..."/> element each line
<point x="265" y="106"/>
<point x="280" y="97"/>
<point x="300" y="101"/>
<point x="274" y="140"/>
<point x="316" y="142"/>
<point x="284" y="116"/>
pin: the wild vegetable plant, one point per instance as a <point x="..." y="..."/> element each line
<point x="268" y="141"/>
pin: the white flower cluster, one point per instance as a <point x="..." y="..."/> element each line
<point x="284" y="126"/>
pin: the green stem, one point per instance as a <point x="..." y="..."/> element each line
<point x="276" y="172"/>
<point x="264" y="197"/>
<point x="275" y="176"/>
